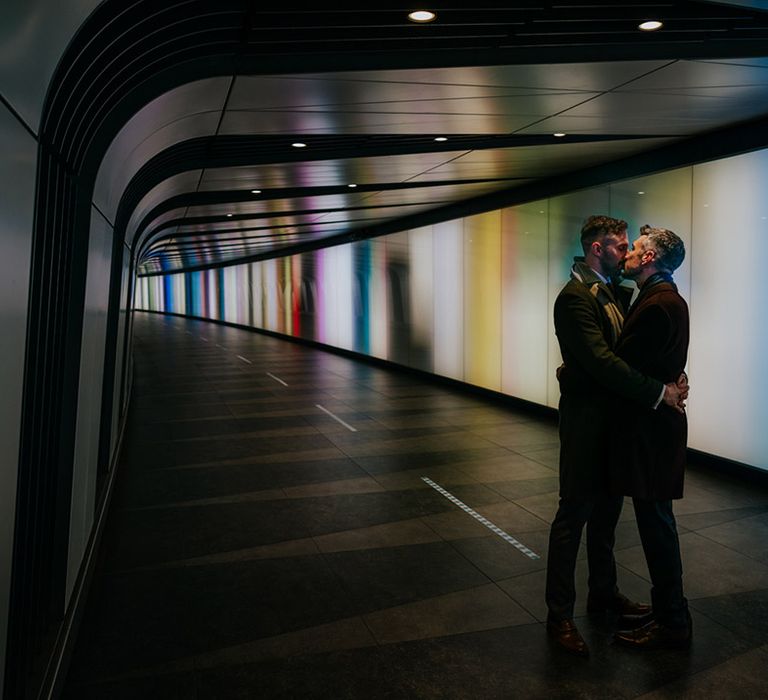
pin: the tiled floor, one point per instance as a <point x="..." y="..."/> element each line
<point x="259" y="548"/>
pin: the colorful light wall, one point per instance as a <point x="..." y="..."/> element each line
<point x="472" y="299"/>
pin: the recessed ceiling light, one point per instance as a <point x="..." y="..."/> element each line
<point x="255" y="191"/>
<point x="298" y="144"/>
<point x="641" y="192"/>
<point x="559" y="134"/>
<point x="352" y="185"/>
<point x="440" y="138"/>
<point x="651" y="25"/>
<point x="229" y="214"/>
<point x="421" y="16"/>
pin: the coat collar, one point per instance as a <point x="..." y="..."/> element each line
<point x="583" y="273"/>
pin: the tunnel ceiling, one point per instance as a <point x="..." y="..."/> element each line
<point x="404" y="124"/>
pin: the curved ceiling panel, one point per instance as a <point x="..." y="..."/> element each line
<point x="163" y="192"/>
<point x="366" y="149"/>
<point x="32" y="40"/>
<point x="398" y="122"/>
<point x="190" y="111"/>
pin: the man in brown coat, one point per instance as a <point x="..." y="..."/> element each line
<point x="588" y="319"/>
<point x="649" y="454"/>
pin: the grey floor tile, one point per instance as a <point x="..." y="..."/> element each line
<point x="709" y="568"/>
<point x="349" y="633"/>
<point x="522" y="488"/>
<point x="499" y="559"/>
<point x="400" y="461"/>
<point x="744" y="676"/>
<point x="746" y="614"/>
<point x="382" y="578"/>
<point x="482" y="608"/>
<point x="698" y="521"/>
<point x="746" y="535"/>
<point x="405" y="532"/>
<point x="260" y="549"/>
<point x="157" y="686"/>
<point x="506" y="466"/>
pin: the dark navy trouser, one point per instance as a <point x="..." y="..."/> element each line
<point x="658" y="533"/>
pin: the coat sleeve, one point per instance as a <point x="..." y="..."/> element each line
<point x="579" y="330"/>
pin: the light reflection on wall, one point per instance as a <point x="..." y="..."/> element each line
<point x="448" y="320"/>
<point x="482" y="300"/>
<point x="472" y="298"/>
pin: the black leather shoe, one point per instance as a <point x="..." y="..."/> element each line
<point x="565" y="634"/>
<point x="618" y="604"/>
<point x="656" y="636"/>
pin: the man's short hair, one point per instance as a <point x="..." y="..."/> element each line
<point x="669" y="248"/>
<point x="599" y="226"/>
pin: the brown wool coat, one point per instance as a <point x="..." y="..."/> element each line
<point x="648" y="455"/>
<point x="592" y="375"/>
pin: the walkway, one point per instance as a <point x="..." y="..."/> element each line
<point x="272" y="535"/>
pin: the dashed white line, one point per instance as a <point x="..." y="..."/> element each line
<point x="277" y="379"/>
<point x="245" y="359"/>
<point x="344" y="423"/>
<point x="494" y="528"/>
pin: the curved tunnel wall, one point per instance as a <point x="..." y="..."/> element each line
<point x="472" y="298"/>
<point x="60" y="108"/>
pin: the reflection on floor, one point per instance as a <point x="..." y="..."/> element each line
<point x="271" y="536"/>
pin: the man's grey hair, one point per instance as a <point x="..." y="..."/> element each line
<point x="669" y="248"/>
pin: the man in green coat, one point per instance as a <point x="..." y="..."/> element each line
<point x="588" y="318"/>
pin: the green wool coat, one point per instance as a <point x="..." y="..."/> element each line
<point x="591" y="378"/>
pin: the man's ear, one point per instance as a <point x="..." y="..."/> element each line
<point x="648" y="256"/>
<point x="596" y="248"/>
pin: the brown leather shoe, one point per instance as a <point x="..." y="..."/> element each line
<point x="656" y="636"/>
<point x="567" y="636"/>
<point x="619" y="604"/>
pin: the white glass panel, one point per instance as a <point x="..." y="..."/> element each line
<point x="525" y="311"/>
<point x="728" y="409"/>
<point x="482" y="300"/>
<point x="448" y="261"/>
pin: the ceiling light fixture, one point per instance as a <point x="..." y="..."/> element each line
<point x="229" y="214"/>
<point x="255" y="191"/>
<point x="421" y="16"/>
<point x="651" y="25"/>
<point x="559" y="134"/>
<point x="352" y="185"/>
<point x="641" y="192"/>
<point x="440" y="138"/>
<point x="298" y="144"/>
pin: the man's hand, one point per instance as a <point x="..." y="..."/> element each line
<point x="676" y="394"/>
